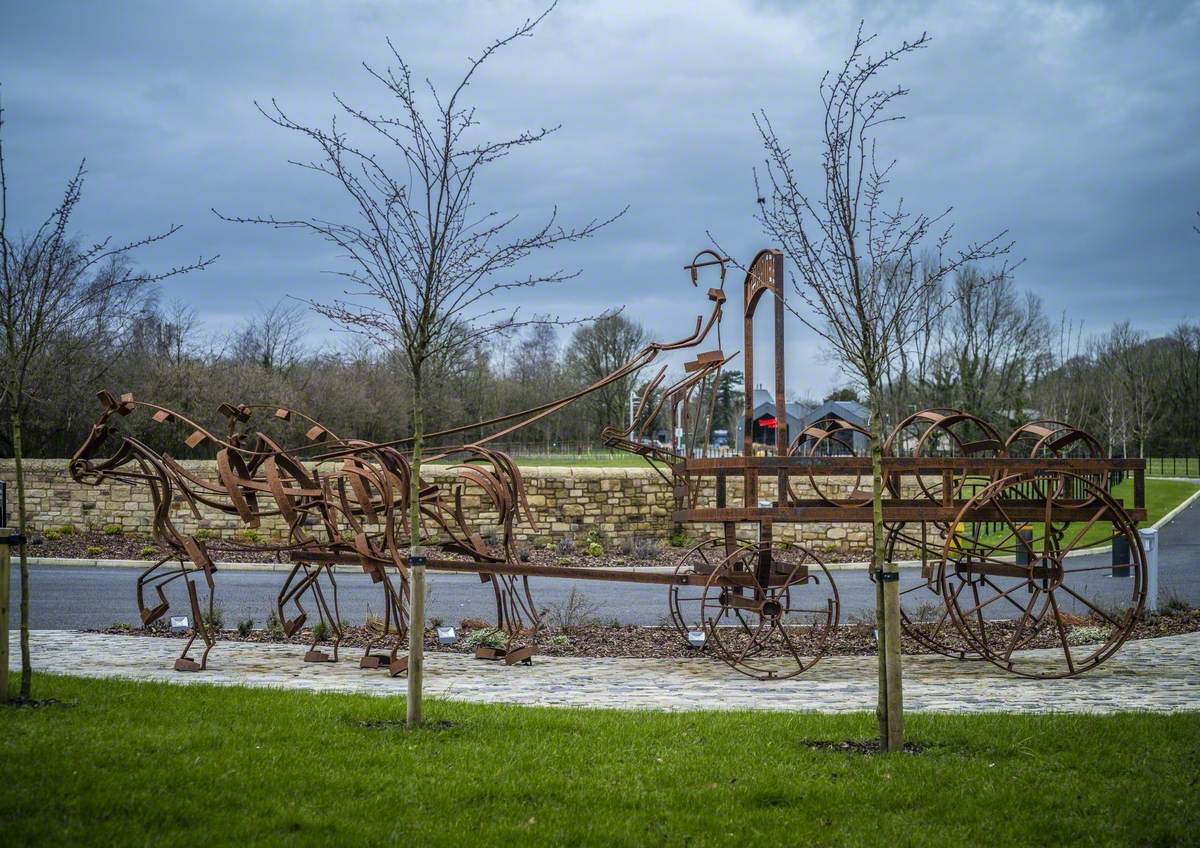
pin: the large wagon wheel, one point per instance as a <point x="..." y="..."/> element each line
<point x="686" y="601"/>
<point x="770" y="611"/>
<point x="1049" y="439"/>
<point x="1010" y="592"/>
<point x="944" y="433"/>
<point x="831" y="437"/>
<point x="924" y="613"/>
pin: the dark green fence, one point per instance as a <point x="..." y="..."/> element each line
<point x="1173" y="466"/>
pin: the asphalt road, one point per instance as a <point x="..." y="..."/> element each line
<point x="63" y="597"/>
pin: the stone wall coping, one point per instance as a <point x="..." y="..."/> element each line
<point x="534" y="472"/>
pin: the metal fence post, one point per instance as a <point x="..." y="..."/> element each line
<point x="1150" y="543"/>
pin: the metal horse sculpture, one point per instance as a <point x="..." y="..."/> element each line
<point x="352" y="501"/>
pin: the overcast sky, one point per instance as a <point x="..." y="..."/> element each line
<point x="1072" y="125"/>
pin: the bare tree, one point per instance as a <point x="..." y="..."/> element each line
<point x="991" y="344"/>
<point x="859" y="270"/>
<point x="59" y="296"/>
<point x="597" y="350"/>
<point x="1062" y="390"/>
<point x="424" y="264"/>
<point x="1106" y="410"/>
<point x="1137" y="365"/>
<point x="1181" y="382"/>
<point x="908" y="376"/>
<point x="273" y="339"/>
<point x="536" y="369"/>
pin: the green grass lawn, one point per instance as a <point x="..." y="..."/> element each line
<point x="1162" y="496"/>
<point x="123" y="763"/>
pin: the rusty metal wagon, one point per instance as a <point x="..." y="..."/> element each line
<point x="1009" y="538"/>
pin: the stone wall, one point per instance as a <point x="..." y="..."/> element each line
<point x="619" y="503"/>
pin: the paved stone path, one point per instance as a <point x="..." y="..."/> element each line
<point x="1161" y="675"/>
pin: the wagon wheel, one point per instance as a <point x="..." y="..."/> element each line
<point x="685" y="601"/>
<point x="924" y="614"/>
<point x="1008" y="595"/>
<point x="770" y="611"/>
<point x="1055" y="440"/>
<point x="831" y="438"/>
<point x="944" y="433"/>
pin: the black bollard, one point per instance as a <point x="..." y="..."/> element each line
<point x="1120" y="557"/>
<point x="1024" y="543"/>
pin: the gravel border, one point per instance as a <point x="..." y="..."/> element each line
<point x="596" y="640"/>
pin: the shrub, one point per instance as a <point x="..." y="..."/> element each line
<point x="435" y="622"/>
<point x="113" y="529"/>
<point x="485" y="636"/>
<point x="523" y="554"/>
<point x="640" y="547"/>
<point x="679" y="539"/>
<point x="573" y="614"/>
<point x="204" y="534"/>
<point x="595" y="549"/>
<point x="560" y="641"/>
<point x="274" y="625"/>
<point x="249" y="535"/>
<point x="245" y="626"/>
<point x="215" y="619"/>
<point x="1086" y="634"/>
<point x="93" y="550"/>
<point x="149" y="550"/>
<point x="67" y="530"/>
<point x="1173" y="605"/>
<point x="122" y="626"/>
<point x="565" y="545"/>
<point x="51" y="535"/>
<point x="320" y="631"/>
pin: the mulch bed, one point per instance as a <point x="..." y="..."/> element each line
<point x="595" y="640"/>
<point x="94" y="544"/>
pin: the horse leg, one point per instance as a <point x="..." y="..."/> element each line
<point x="323" y="613"/>
<point x="291" y="594"/>
<point x="156" y="581"/>
<point x="199" y="628"/>
<point x="374" y="660"/>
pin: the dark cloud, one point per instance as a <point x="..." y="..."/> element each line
<point x="1072" y="125"/>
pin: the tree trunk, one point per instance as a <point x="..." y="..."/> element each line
<point x="877" y="555"/>
<point x="19" y="461"/>
<point x="890" y="708"/>
<point x="416" y="602"/>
